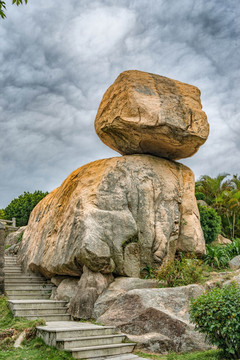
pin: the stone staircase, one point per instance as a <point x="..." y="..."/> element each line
<point x="29" y="294"/>
<point x="85" y="340"/>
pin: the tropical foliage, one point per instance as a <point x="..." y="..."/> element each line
<point x="222" y="194"/>
<point x="21" y="207"/>
<point x="218" y="256"/>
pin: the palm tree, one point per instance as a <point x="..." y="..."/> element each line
<point x="213" y="187"/>
<point x="224" y="196"/>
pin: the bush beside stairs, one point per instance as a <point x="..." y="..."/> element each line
<point x="28" y="295"/>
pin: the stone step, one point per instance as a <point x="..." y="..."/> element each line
<point x="12" y="266"/>
<point x="40" y="304"/>
<point x="23" y="276"/>
<point x="29" y="291"/>
<point x="36" y="311"/>
<point x="10" y="260"/>
<point x="103" y="350"/>
<point x="121" y="357"/>
<point x="28" y="297"/>
<point x="27" y="281"/>
<point x="50" y="317"/>
<point x="70" y="330"/>
<point x="127" y="356"/>
<point x="104" y="330"/>
<point x="13" y="271"/>
<point x="66" y="344"/>
<point x="26" y="287"/>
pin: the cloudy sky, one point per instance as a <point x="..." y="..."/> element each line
<point x="59" y="57"/>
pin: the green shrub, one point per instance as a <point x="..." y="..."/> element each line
<point x="181" y="271"/>
<point x="210" y="222"/>
<point x="216" y="313"/>
<point x="200" y="196"/>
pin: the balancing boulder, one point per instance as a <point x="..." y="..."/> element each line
<point x="144" y="113"/>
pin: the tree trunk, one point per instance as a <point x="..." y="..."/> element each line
<point x="233" y="224"/>
<point x="2" y="240"/>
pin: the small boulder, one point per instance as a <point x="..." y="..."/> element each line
<point x="221" y="240"/>
<point x="203" y="203"/>
<point x="90" y="286"/>
<point x="143" y="113"/>
<point x="13" y="250"/>
<point x="14" y="236"/>
<point x="67" y="289"/>
<point x="234" y="264"/>
<point x="120" y="286"/>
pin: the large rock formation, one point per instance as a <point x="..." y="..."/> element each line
<point x="144" y="113"/>
<point x="117" y="216"/>
<point x="114" y="216"/>
<point x="157" y="319"/>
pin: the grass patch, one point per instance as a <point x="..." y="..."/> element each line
<point x="31" y="348"/>
<point x="7" y="320"/>
<point x="34" y="350"/>
<point x="203" y="355"/>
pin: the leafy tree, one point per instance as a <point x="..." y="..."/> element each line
<point x="3" y="6"/>
<point x="210" y="223"/>
<point x="21" y="207"/>
<point x="212" y="187"/>
<point x="2" y="214"/>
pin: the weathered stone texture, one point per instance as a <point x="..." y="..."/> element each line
<point x="144" y="113"/>
<point x="234" y="264"/>
<point x="13" y="237"/>
<point x="66" y="289"/>
<point x="90" y="286"/>
<point x="120" y="286"/>
<point x="156" y="318"/>
<point x="111" y="212"/>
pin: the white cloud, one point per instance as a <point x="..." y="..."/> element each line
<point x="58" y="58"/>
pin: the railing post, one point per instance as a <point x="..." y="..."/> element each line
<point x="14" y="222"/>
<point x="2" y="248"/>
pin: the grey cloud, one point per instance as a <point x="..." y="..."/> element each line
<point x="57" y="60"/>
